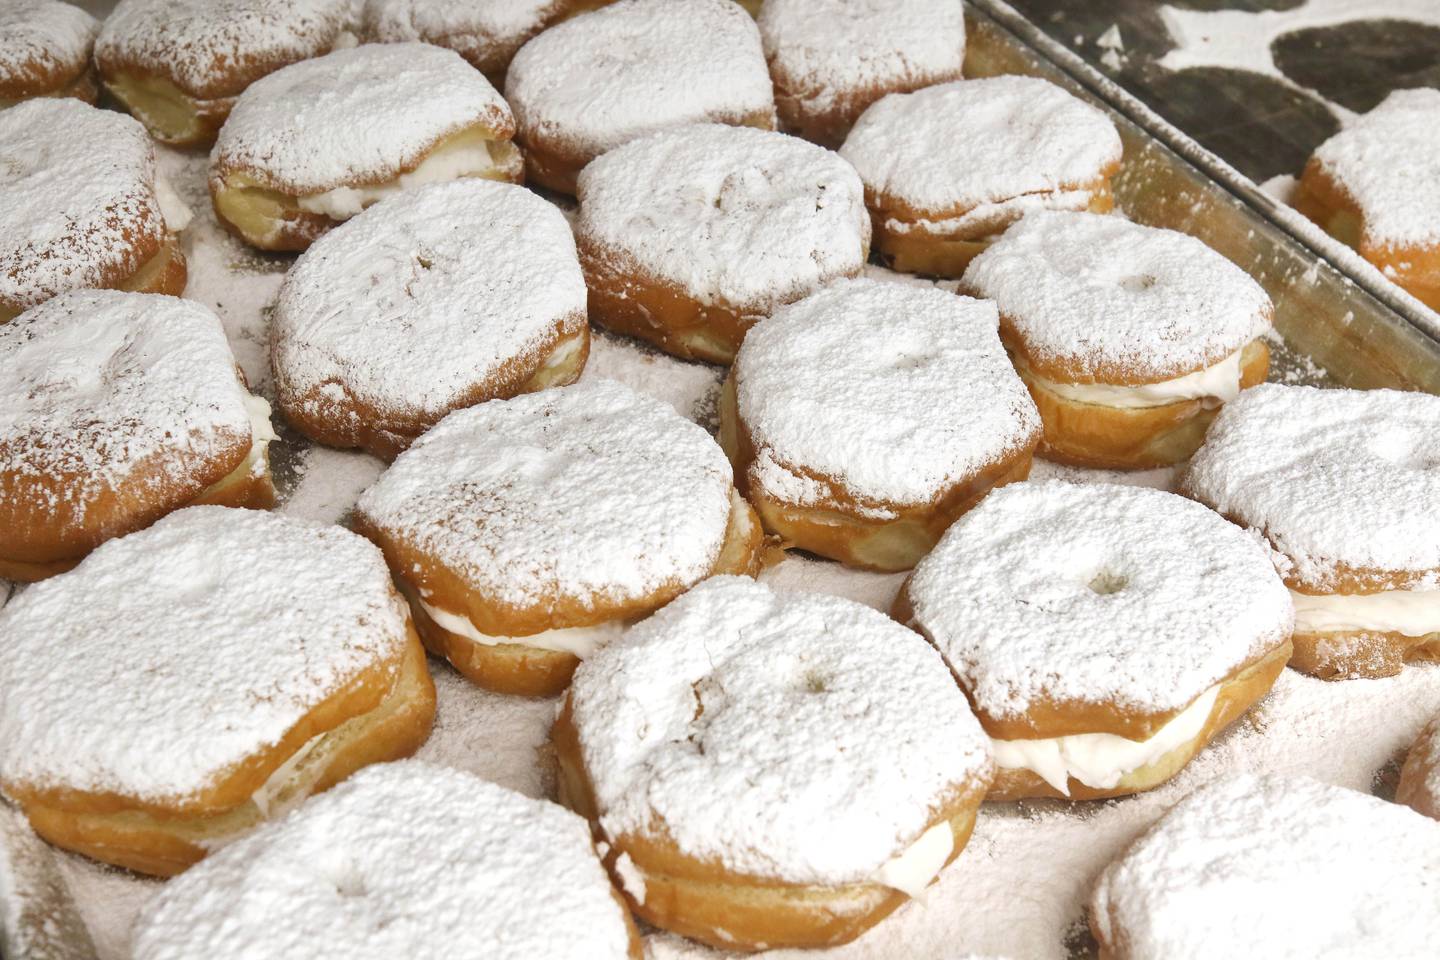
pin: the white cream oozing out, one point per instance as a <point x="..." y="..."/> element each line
<point x="911" y="870"/>
<point x="467" y="158"/>
<point x="992" y="218"/>
<point x="262" y="433"/>
<point x="1414" y="613"/>
<point x="281" y="779"/>
<point x="1220" y="382"/>
<point x="580" y="641"/>
<point x="1101" y="760"/>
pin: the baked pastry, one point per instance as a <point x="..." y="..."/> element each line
<point x="948" y="168"/>
<point x="1375" y="186"/>
<point x="247" y="660"/>
<point x="45" y="51"/>
<point x="830" y="59"/>
<point x="1420" y="776"/>
<point x="1103" y="633"/>
<point x="1343" y="485"/>
<point x="401" y="860"/>
<point x="487" y="33"/>
<point x="1129" y="337"/>
<point x="637" y="66"/>
<point x="526" y="532"/>
<point x="770" y="769"/>
<point x="115" y="409"/>
<point x="689" y="236"/>
<point x="313" y="144"/>
<point x="1206" y="881"/>
<point x="438" y="298"/>
<point x="864" y="419"/>
<point x="81" y="206"/>
<point x="179" y="65"/>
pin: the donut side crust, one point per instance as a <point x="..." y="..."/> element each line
<point x="1420" y="765"/>
<point x="1361" y="654"/>
<point x="40" y="82"/>
<point x="172" y="115"/>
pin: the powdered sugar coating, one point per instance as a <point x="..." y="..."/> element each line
<point x="1057" y="592"/>
<point x="77" y="198"/>
<point x="354" y="116"/>
<point x="401" y="860"/>
<point x="602" y="79"/>
<point x="485" y="32"/>
<point x="1388" y="161"/>
<point x="1115" y="301"/>
<point x="1331" y="478"/>
<point x="731" y="215"/>
<point x="789" y="736"/>
<point x="585" y="491"/>
<point x="423" y="296"/>
<point x="1211" y="878"/>
<point x="953" y="146"/>
<point x="40" y="40"/>
<point x="898" y="391"/>
<point x="175" y="653"/>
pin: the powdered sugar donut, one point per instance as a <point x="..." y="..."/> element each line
<point x="178" y="65"/>
<point x="81" y="206"/>
<point x="527" y="531"/>
<point x="1104" y="633"/>
<point x="771" y="769"/>
<point x="1206" y="880"/>
<point x="948" y="168"/>
<point x="246" y="661"/>
<point x="1129" y="337"/>
<point x="427" y="862"/>
<point x="1375" y="185"/>
<point x="436" y="299"/>
<point x="635" y="67"/>
<point x="689" y="236"/>
<point x="1343" y="485"/>
<point x="1419" y="785"/>
<point x="45" y="51"/>
<point x="830" y="59"/>
<point x="115" y="409"/>
<point x="315" y="143"/>
<point x="865" y="418"/>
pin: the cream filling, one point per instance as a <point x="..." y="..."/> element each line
<point x="261" y="434"/>
<point x="279" y="781"/>
<point x="1220" y="382"/>
<point x="579" y="641"/>
<point x="464" y="158"/>
<point x="984" y="220"/>
<point x="176" y="212"/>
<point x="1414" y="613"/>
<point x="1101" y="760"/>
<point x="911" y="870"/>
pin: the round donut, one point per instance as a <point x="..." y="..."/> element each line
<point x="401" y="860"/>
<point x="637" y="66"/>
<point x="178" y="65"/>
<point x="487" y="33"/>
<point x="313" y="144"/>
<point x="81" y="206"/>
<point x="116" y="409"/>
<point x="1105" y="634"/>
<point x="1375" y="186"/>
<point x="438" y="298"/>
<point x="45" y="51"/>
<point x="949" y="167"/>
<point x="864" y="419"/>
<point x="1343" y="485"/>
<point x="689" y="236"/>
<point x="208" y="672"/>
<point x="1129" y="337"/>
<point x="1213" y="877"/>
<point x="526" y="532"/>
<point x="1419" y="786"/>
<point x="830" y="59"/>
<point x="771" y="769"/>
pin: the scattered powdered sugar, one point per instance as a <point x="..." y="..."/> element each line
<point x="486" y="33"/>
<point x="328" y="482"/>
<point x="950" y="147"/>
<point x="1330" y="477"/>
<point x="1206" y="880"/>
<point x="732" y="215"/>
<point x="793" y="737"/>
<point x="354" y="116"/>
<point x="38" y="921"/>
<point x="73" y="207"/>
<point x="589" y="490"/>
<point x="222" y="628"/>
<point x="637" y="66"/>
<point x="896" y="391"/>
<point x="1072" y="593"/>
<point x="424" y="296"/>
<point x="1388" y="161"/>
<point x="40" y="39"/>
<point x="1114" y="300"/>
<point x="402" y="860"/>
<point x="692" y="389"/>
